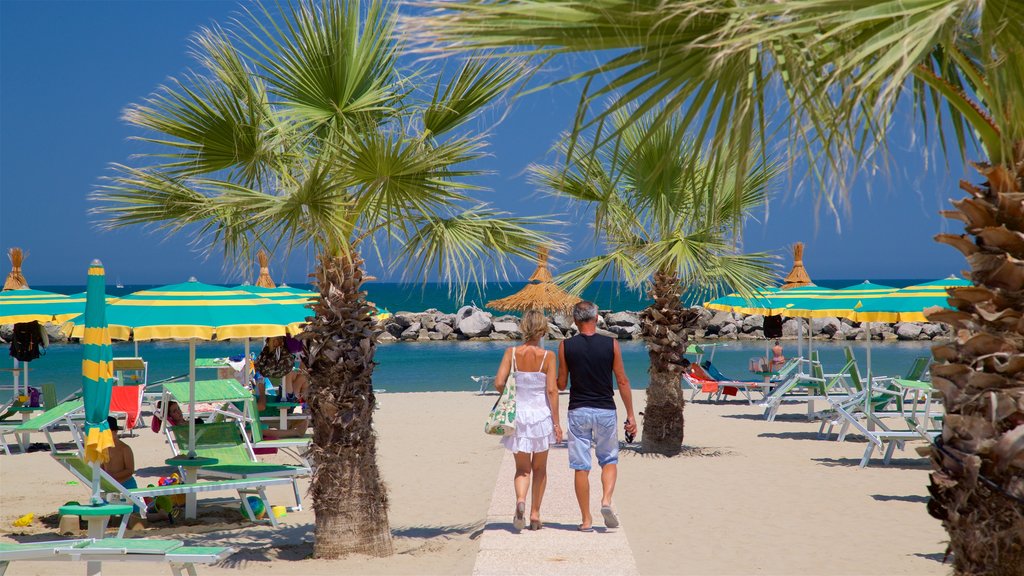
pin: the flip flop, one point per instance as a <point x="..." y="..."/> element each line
<point x="587" y="529"/>
<point x="610" y="519"/>
<point x="519" y="520"/>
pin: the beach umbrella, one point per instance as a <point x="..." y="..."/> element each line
<point x="15" y="280"/>
<point x="264" y="280"/>
<point x="25" y="305"/>
<point x="195" y="311"/>
<point x="805" y="302"/>
<point x="97" y="376"/>
<point x="909" y="304"/>
<point x="541" y="292"/>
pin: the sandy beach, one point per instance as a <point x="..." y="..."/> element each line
<point x="747" y="497"/>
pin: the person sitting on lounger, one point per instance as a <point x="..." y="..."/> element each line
<point x="778" y="359"/>
<point x="120" y="458"/>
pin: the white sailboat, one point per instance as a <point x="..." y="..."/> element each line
<point x="117" y="283"/>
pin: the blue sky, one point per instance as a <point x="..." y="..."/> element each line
<point x="68" y="69"/>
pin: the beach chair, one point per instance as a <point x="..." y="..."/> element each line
<point x="44" y="423"/>
<point x="227" y="442"/>
<point x="114" y="492"/>
<point x="180" y="559"/>
<point x="806" y="387"/>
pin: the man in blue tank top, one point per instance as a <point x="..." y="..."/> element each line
<point x="587" y="361"/>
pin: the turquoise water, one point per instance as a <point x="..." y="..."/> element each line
<point x="447" y="366"/>
<point x="418" y="297"/>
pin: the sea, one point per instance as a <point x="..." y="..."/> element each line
<point x="452" y="365"/>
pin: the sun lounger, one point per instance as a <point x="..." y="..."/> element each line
<point x="114" y="491"/>
<point x="42" y="423"/>
<point x="807" y="388"/>
<point x="174" y="553"/>
<point x="228" y="443"/>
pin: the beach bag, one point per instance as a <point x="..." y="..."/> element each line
<point x="34" y="397"/>
<point x="27" y="341"/>
<point x="502" y="419"/>
<point x="276" y="363"/>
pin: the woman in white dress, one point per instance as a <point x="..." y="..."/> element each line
<point x="537" y="421"/>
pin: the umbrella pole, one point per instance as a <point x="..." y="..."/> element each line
<point x="867" y="399"/>
<point x="192" y="398"/>
<point x="136" y="347"/>
<point x="95" y="499"/>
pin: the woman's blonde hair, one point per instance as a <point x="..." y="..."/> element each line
<point x="534" y="325"/>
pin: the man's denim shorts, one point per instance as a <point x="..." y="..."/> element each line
<point x="595" y="426"/>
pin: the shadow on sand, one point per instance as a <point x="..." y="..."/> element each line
<point x="895" y="463"/>
<point x="912" y="498"/>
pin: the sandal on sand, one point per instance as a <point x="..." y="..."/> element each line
<point x="536" y="524"/>
<point x="519" y="520"/>
<point x="587" y="529"/>
<point x="610" y="519"/>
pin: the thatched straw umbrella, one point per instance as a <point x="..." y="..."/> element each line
<point x="264" y="280"/>
<point x="15" y="280"/>
<point x="540" y="294"/>
<point x="798" y="275"/>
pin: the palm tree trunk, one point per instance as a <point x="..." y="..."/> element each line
<point x="977" y="483"/>
<point x="664" y="326"/>
<point x="349" y="498"/>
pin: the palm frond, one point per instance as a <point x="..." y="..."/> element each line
<point x="467" y="247"/>
<point x="476" y="84"/>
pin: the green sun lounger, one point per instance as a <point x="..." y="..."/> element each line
<point x="40" y="423"/>
<point x="180" y="559"/>
<point x="227" y="442"/>
<point x="114" y="491"/>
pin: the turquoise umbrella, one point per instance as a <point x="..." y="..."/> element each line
<point x="908" y="304"/>
<point x="97" y="375"/>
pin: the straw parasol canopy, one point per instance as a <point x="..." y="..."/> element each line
<point x="540" y="294"/>
<point x="798" y="275"/>
<point x="264" y="281"/>
<point x="15" y="280"/>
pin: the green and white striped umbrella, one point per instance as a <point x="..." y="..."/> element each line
<point x="805" y="302"/>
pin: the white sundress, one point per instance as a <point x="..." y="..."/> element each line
<point x="534" y="430"/>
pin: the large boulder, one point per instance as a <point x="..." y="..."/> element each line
<point x="426" y="320"/>
<point x="444" y="330"/>
<point x="449" y="319"/>
<point x="622" y="319"/>
<point x="7" y="332"/>
<point x="826" y="326"/>
<point x="704" y="316"/>
<point x="791" y="327"/>
<point x="604" y="332"/>
<point x="395" y="329"/>
<point x="721" y="319"/>
<point x="402" y="319"/>
<point x="624" y="332"/>
<point x="498" y="336"/>
<point x="563" y="321"/>
<point x="932" y="330"/>
<point x="908" y="330"/>
<point x="554" y="333"/>
<point x="385" y="337"/>
<point x="435" y="336"/>
<point x="752" y="322"/>
<point x="54" y="333"/>
<point x="728" y="330"/>
<point x="510" y="329"/>
<point x="412" y="332"/>
<point x="474" y="324"/>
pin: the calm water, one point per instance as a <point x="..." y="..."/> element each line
<point x="435" y="366"/>
<point x="418" y="297"/>
<point x="447" y="366"/>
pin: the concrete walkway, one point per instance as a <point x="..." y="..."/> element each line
<point x="558" y="548"/>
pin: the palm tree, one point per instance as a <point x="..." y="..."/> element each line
<point x="308" y="130"/>
<point x="663" y="226"/>
<point x="829" y="76"/>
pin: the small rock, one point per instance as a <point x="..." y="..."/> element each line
<point x="498" y="336"/>
<point x="435" y="336"/>
<point x="604" y="332"/>
<point x="412" y="332"/>
<point x="554" y="333"/>
<point x="510" y="329"/>
<point x="624" y="332"/>
<point x="385" y="337"/>
<point x="443" y="329"/>
<point x="563" y="321"/>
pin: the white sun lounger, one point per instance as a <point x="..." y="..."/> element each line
<point x="179" y="558"/>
